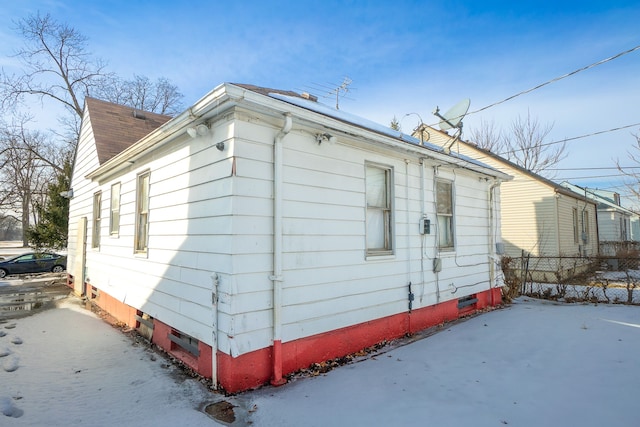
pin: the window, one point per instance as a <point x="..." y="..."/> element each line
<point x="585" y="237"/>
<point x="114" y="220"/>
<point x="97" y="201"/>
<point x="142" y="213"/>
<point x="576" y="230"/>
<point x="623" y="231"/>
<point x="444" y="202"/>
<point x="379" y="213"/>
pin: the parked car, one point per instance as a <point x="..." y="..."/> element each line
<point x="33" y="262"/>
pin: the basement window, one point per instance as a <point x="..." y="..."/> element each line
<point x="184" y="342"/>
<point x="466" y="302"/>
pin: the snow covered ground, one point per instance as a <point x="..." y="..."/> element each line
<point x="533" y="363"/>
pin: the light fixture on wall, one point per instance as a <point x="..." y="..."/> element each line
<point x="198" y="130"/>
<point x="325" y="137"/>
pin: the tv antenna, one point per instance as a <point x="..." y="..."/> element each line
<point x="452" y="119"/>
<point x="343" y="88"/>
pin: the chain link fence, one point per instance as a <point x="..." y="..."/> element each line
<point x="608" y="279"/>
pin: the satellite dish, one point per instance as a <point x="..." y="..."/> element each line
<point x="453" y="118"/>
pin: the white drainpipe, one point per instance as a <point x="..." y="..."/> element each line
<point x="493" y="228"/>
<point x="276" y="278"/>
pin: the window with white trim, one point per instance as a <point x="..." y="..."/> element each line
<point x="97" y="218"/>
<point x="142" y="213"/>
<point x="379" y="209"/>
<point x="585" y="226"/>
<point x="576" y="229"/>
<point x="114" y="219"/>
<point x="444" y="213"/>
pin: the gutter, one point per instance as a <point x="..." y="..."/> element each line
<point x="276" y="278"/>
<point x="209" y="106"/>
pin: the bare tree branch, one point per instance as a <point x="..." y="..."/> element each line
<point x="487" y="137"/>
<point x="25" y="174"/>
<point x="523" y="144"/>
<point x="632" y="180"/>
<point x="56" y="65"/>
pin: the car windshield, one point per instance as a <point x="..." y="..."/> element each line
<point x="11" y="258"/>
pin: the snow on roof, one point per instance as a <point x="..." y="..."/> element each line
<point x="367" y="124"/>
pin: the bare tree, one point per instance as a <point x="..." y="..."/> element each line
<point x="58" y="67"/>
<point x="632" y="178"/>
<point x="526" y="146"/>
<point x="523" y="144"/>
<point x="141" y="93"/>
<point x="24" y="176"/>
<point x="487" y="137"/>
<point x="9" y="227"/>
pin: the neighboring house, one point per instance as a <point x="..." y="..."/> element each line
<point x="540" y="218"/>
<point x="261" y="231"/>
<point x="617" y="226"/>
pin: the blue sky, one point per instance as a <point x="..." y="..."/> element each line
<point x="402" y="56"/>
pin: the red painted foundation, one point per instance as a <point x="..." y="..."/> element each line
<point x="201" y="363"/>
<point x="253" y="369"/>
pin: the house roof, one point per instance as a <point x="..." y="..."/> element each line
<point x="309" y="102"/>
<point x="557" y="187"/>
<point x="603" y="203"/>
<point x="117" y="127"/>
<point x="118" y="142"/>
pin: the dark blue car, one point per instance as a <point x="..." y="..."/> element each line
<point x="33" y="262"/>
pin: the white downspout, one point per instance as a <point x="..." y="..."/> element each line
<point x="276" y="278"/>
<point x="423" y="237"/>
<point x="493" y="228"/>
<point x="407" y="218"/>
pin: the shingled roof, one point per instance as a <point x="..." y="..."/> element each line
<point x="117" y="127"/>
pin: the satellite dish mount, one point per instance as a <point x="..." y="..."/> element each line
<point x="452" y="119"/>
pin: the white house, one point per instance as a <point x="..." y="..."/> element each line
<point x="260" y="231"/>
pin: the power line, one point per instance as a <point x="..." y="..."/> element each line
<point x="588" y="177"/>
<point x="577" y="137"/>
<point x="595" y="64"/>
<point x="485" y="156"/>
<point x="591" y="169"/>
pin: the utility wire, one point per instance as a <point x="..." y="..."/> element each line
<point x="594" y="168"/>
<point x="591" y="169"/>
<point x="564" y="76"/>
<point x="595" y="64"/>
<point x="588" y="177"/>
<point x="576" y="137"/>
<point x="485" y="156"/>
